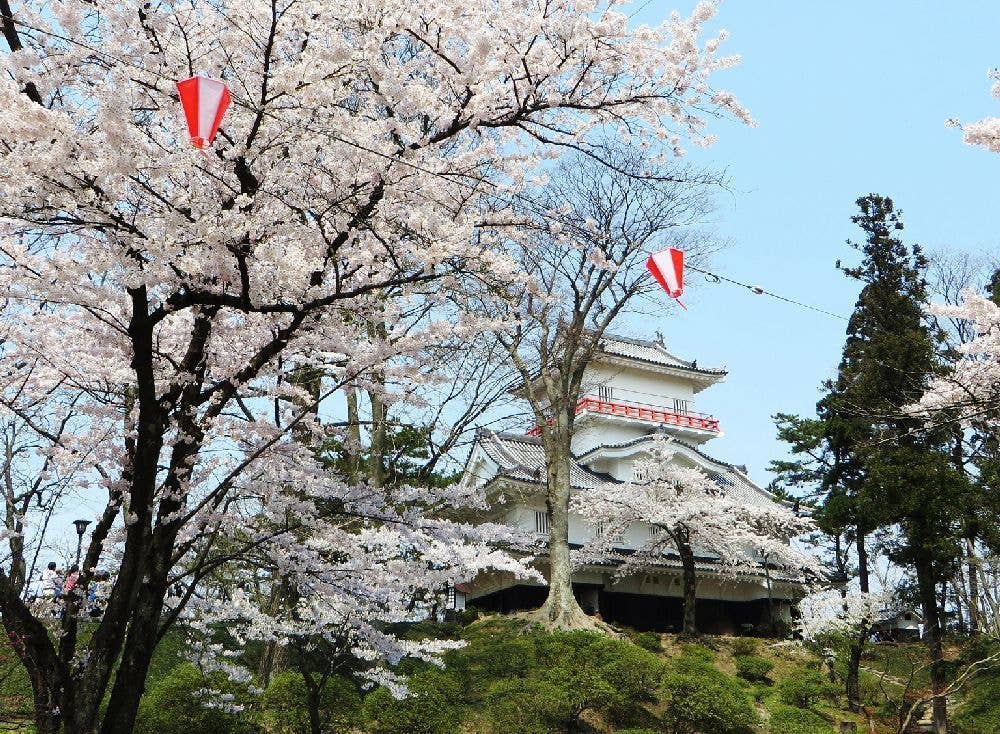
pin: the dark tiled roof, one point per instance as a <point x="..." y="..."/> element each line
<point x="672" y="562"/>
<point x="522" y="458"/>
<point x="733" y="475"/>
<point x="650" y="352"/>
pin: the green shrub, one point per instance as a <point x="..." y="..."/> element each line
<point x="635" y="731"/>
<point x="978" y="647"/>
<point x="647" y="641"/>
<point x="745" y="646"/>
<point x="694" y="659"/>
<point x="285" y="709"/>
<point x="803" y="688"/>
<point x="633" y="672"/>
<point x="709" y="702"/>
<point x="759" y="692"/>
<point x="486" y="659"/>
<point x="528" y="707"/>
<point x="583" y="687"/>
<point x="752" y="667"/>
<point x="526" y="678"/>
<point x="433" y="706"/>
<point x="178" y="704"/>
<point x="872" y="690"/>
<point x="597" y="672"/>
<point x="698" y="652"/>
<point x="791" y="720"/>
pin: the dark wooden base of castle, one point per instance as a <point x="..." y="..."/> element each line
<point x="642" y="612"/>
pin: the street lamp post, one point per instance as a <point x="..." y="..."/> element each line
<point x="81" y="528"/>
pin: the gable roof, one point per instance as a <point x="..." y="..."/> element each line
<point x="522" y="458"/>
<point x="652" y="353"/>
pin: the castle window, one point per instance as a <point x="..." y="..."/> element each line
<point x="602" y="528"/>
<point x="541" y="522"/>
<point x="638" y="474"/>
<point x="654" y="530"/>
<point x="681" y="407"/>
<point x="604" y="392"/>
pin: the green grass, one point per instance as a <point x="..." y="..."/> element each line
<point x="901" y="662"/>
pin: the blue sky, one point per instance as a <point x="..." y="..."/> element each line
<point x="850" y="98"/>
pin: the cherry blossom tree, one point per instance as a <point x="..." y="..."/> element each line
<point x="972" y="387"/>
<point x="695" y="516"/>
<point x="984" y="133"/>
<point x="830" y="611"/>
<point x="849" y="614"/>
<point x="155" y="297"/>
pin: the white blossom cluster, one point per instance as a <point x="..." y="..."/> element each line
<point x="741" y="535"/>
<point x="970" y="391"/>
<point x="156" y="299"/>
<point x="852" y="613"/>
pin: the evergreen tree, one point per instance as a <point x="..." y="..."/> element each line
<point x="875" y="465"/>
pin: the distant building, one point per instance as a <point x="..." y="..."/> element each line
<point x="633" y="389"/>
<point x="898" y="625"/>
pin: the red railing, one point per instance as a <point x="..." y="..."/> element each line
<point x="652" y="413"/>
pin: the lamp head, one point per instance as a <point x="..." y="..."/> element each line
<point x="81" y="526"/>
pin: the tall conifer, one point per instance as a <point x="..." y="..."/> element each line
<point x="877" y="466"/>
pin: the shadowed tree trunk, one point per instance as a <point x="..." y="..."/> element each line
<point x="853" y="683"/>
<point x="973" y="566"/>
<point x="561" y="609"/>
<point x="932" y="634"/>
<point x="681" y="539"/>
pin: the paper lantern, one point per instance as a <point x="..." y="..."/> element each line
<point x="668" y="269"/>
<point x="205" y="101"/>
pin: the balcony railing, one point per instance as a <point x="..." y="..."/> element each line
<point x="639" y="411"/>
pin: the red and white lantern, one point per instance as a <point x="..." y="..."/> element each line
<point x="668" y="269"/>
<point x="205" y="101"/>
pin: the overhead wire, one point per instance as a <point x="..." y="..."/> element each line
<point x="760" y="291"/>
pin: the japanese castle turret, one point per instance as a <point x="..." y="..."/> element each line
<point x="633" y="389"/>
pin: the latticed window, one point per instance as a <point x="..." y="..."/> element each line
<point x="654" y="530"/>
<point x="603" y="527"/>
<point x="541" y="522"/>
<point x="604" y="392"/>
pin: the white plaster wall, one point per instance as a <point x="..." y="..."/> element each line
<point x="638" y="386"/>
<point x="522" y="516"/>
<point x="600" y="430"/>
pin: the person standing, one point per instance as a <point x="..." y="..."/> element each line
<point x="51" y="581"/>
<point x="71" y="579"/>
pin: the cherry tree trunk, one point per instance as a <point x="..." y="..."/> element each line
<point x="313" y="693"/>
<point x="561" y="609"/>
<point x="130" y="680"/>
<point x="690" y="582"/>
<point x="853" y="685"/>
